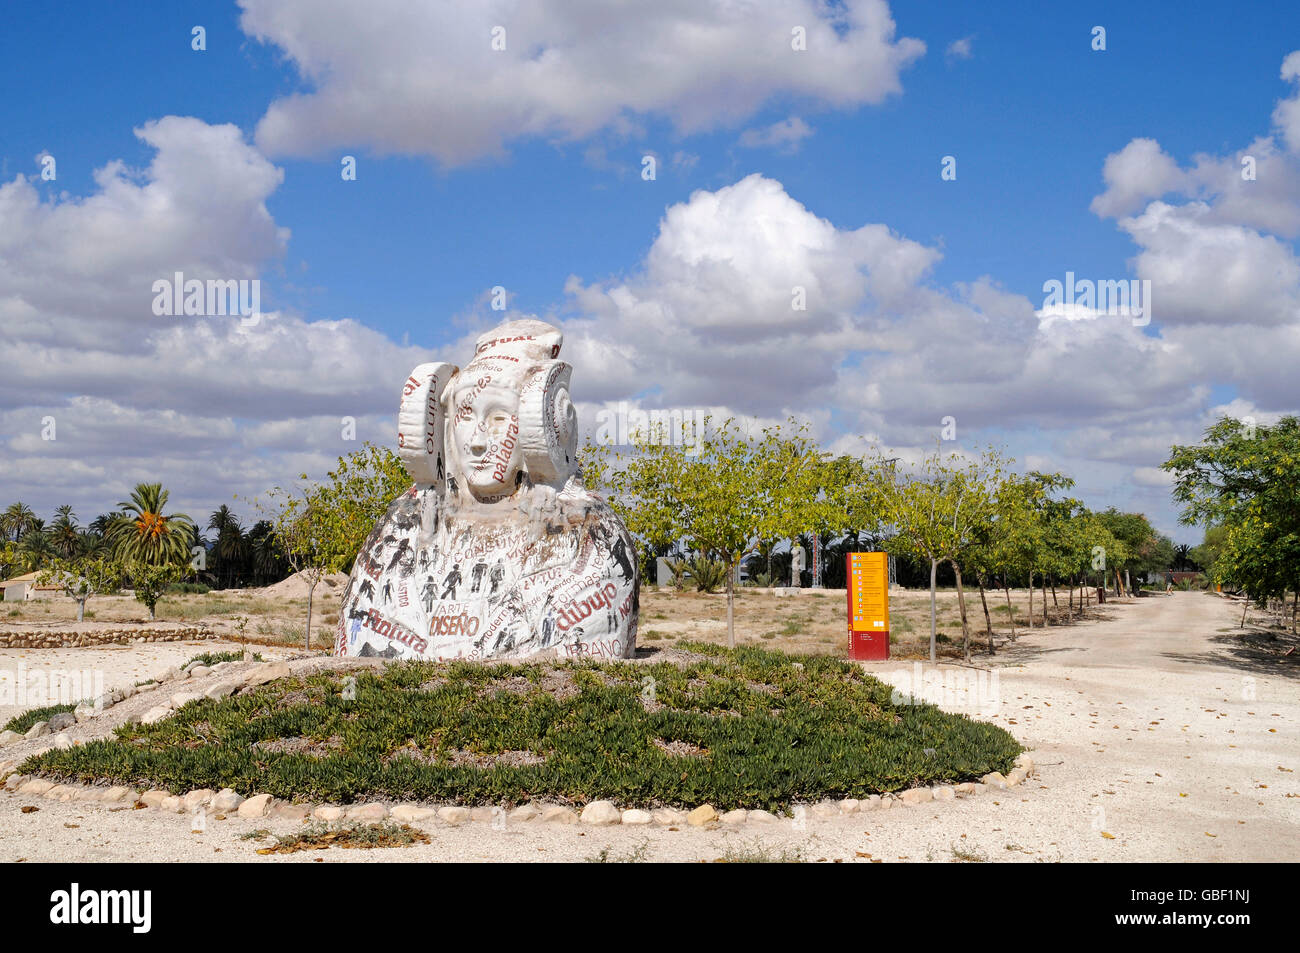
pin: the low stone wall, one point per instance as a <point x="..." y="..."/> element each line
<point x="37" y="639"/>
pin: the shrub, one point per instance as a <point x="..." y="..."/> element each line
<point x="182" y="588"/>
<point x="23" y="723"/>
<point x="709" y="575"/>
<point x="741" y="728"/>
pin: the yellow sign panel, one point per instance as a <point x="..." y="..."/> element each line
<point x="868" y="592"/>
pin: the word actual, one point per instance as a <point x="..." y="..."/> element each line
<point x="72" y="906"/>
<point x="182" y="296"/>
<point x="1131" y="297"/>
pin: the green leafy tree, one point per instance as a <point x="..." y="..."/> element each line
<point x="83" y="579"/>
<point x="151" y="581"/>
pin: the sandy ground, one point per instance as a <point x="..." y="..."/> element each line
<point x="87" y="672"/>
<point x="1156" y="727"/>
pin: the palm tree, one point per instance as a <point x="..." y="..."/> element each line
<point x="101" y="523"/>
<point x="17" y="520"/>
<point x="64" y="535"/>
<point x="231" y="547"/>
<point x="36" y="551"/>
<point x="143" y="534"/>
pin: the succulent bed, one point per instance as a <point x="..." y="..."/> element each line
<point x="742" y="728"/>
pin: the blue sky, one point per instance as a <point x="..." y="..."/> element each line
<point x="411" y="248"/>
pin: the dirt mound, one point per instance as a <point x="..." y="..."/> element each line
<point x="298" y="585"/>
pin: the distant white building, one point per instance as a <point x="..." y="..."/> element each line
<point x="24" y="589"/>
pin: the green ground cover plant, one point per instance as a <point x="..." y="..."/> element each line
<point x="734" y="728"/>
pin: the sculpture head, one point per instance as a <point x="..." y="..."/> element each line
<point x="504" y="419"/>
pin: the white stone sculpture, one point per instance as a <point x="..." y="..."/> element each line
<point x="498" y="550"/>
<point x="796" y="565"/>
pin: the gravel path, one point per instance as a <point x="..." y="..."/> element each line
<point x="1151" y="727"/>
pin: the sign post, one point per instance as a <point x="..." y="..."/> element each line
<point x="868" y="585"/>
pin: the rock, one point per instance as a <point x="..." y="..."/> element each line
<point x="9" y="737"/>
<point x="412" y="813"/>
<point x="943" y="793"/>
<point x="197" y="798"/>
<point x="222" y="690"/>
<point x="36" y="730"/>
<point x="668" y="817"/>
<point x="601" y="814"/>
<point x="292" y="812"/>
<point x="198" y="671"/>
<point x="155" y="715"/>
<point x="154" y="797"/>
<point x="222" y="667"/>
<point x="56" y="793"/>
<point x="558" y="814"/>
<point x="173" y="805"/>
<point x="117" y="793"/>
<point x="1024" y="761"/>
<point x="734" y="818"/>
<point x="84" y="713"/>
<point x="226" y="801"/>
<point x="15" y="781"/>
<point x="452" y="814"/>
<point x="181" y="699"/>
<point x="762" y="817"/>
<point x="825" y="809"/>
<point x="635" y="817"/>
<point x="328" y="813"/>
<point x="61" y="722"/>
<point x="994" y="779"/>
<point x="63" y="741"/>
<point x="1015" y="777"/>
<point x="266" y="672"/>
<point x="368" y="812"/>
<point x="870" y="804"/>
<point x="485" y="814"/>
<point x="850" y="805"/>
<point x="255" y="806"/>
<point x="524" y="813"/>
<point x="914" y="796"/>
<point x="702" y="816"/>
<point x="966" y="789"/>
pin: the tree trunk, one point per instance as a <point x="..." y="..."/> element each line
<point x="1031" y="601"/>
<point x="988" y="619"/>
<point x="934" y="571"/>
<point x="81" y="609"/>
<point x="731" y="602"/>
<point x="1054" y="602"/>
<point x="961" y="605"/>
<point x="1244" y="607"/>
<point x="1043" y="583"/>
<point x="1011" y="612"/>
<point x="307" y="637"/>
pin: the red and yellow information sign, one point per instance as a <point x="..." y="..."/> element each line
<point x="868" y="581"/>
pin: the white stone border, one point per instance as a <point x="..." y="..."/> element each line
<point x="596" y="814"/>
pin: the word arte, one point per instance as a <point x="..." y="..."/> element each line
<point x="75" y="906"/>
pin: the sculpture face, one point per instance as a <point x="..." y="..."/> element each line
<point x="485" y="431"/>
